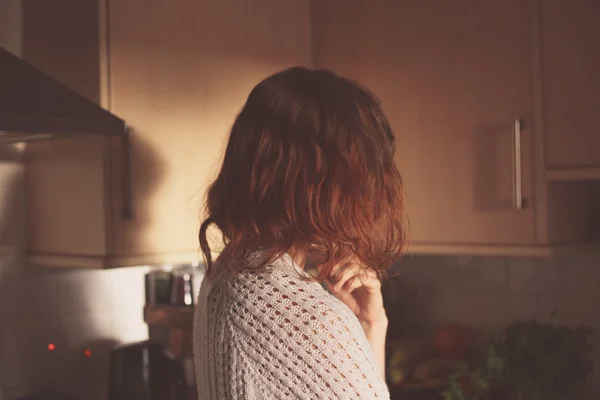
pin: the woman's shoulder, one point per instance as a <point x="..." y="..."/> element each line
<point x="278" y="279"/>
<point x="283" y="291"/>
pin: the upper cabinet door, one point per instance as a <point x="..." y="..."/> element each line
<point x="452" y="79"/>
<point x="180" y="72"/>
<point x="570" y="38"/>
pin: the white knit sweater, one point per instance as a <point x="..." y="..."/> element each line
<point x="274" y="335"/>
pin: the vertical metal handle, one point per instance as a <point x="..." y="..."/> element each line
<point x="518" y="170"/>
<point x="127" y="173"/>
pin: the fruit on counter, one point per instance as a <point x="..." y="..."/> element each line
<point x="453" y="341"/>
<point x="405" y="353"/>
<point x="407" y="350"/>
<point x="396" y="376"/>
<point x="434" y="368"/>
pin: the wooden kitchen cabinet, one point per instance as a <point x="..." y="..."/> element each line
<point x="453" y="79"/>
<point x="570" y="51"/>
<point x="177" y="73"/>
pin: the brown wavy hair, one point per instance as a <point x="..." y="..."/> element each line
<point x="309" y="167"/>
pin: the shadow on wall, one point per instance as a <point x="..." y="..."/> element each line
<point x="58" y="326"/>
<point x="148" y="175"/>
<point x="492" y="159"/>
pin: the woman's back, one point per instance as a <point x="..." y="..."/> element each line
<point x="270" y="334"/>
<point x="308" y="175"/>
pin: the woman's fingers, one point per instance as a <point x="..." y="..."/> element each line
<point x="352" y="283"/>
<point x="365" y="278"/>
<point x="341" y="276"/>
<point x="349" y="277"/>
<point x="371" y="280"/>
<point x="341" y="273"/>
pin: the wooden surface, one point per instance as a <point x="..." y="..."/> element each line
<point x="562" y="210"/>
<point x="451" y="80"/>
<point x="65" y="179"/>
<point x="451" y="87"/>
<point x="476" y="249"/>
<point x="104" y="262"/>
<point x="178" y="74"/>
<point x="60" y="37"/>
<point x="570" y="35"/>
<point x="573" y="174"/>
<point x="66" y="197"/>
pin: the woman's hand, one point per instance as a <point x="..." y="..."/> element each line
<point x="360" y="290"/>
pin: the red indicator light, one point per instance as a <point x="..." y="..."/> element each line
<point x="51" y="347"/>
<point x="87" y="353"/>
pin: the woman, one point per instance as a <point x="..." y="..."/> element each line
<point x="308" y="192"/>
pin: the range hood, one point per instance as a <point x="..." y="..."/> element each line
<point x="34" y="106"/>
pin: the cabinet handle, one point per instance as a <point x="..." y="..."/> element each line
<point x="518" y="170"/>
<point x="127" y="173"/>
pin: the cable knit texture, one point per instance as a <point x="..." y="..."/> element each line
<point x="274" y="335"/>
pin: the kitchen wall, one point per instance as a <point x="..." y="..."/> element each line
<point x="72" y="310"/>
<point x="487" y="292"/>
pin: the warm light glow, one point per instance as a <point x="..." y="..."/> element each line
<point x="87" y="353"/>
<point x="51" y="346"/>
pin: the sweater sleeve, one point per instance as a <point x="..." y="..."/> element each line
<point x="302" y="342"/>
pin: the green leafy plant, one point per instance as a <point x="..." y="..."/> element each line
<point x="468" y="384"/>
<point x="529" y="359"/>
